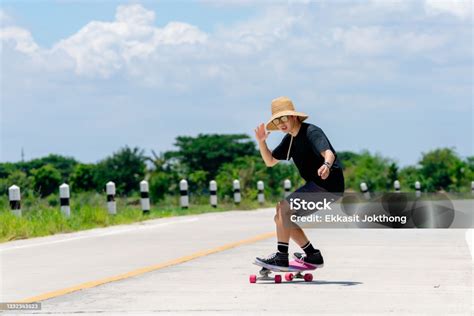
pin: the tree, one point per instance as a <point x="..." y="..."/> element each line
<point x="162" y="183"/>
<point x="374" y="170"/>
<point x="198" y="181"/>
<point x="7" y="168"/>
<point x="392" y="174"/>
<point x="46" y="179"/>
<point x="249" y="170"/>
<point x="442" y="169"/>
<point x="279" y="173"/>
<point x="163" y="175"/>
<point x="409" y="175"/>
<point x="83" y="177"/>
<point x="347" y="158"/>
<point x="126" y="168"/>
<point x="467" y="172"/>
<point x="209" y="152"/>
<point x="65" y="165"/>
<point x="18" y="178"/>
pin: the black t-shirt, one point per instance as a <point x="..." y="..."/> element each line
<point x="306" y="151"/>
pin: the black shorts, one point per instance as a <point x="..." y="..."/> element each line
<point x="310" y="194"/>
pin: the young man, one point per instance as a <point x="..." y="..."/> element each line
<point x="317" y="164"/>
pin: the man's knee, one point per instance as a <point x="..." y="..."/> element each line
<point x="285" y="210"/>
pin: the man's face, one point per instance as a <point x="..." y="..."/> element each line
<point x="285" y="125"/>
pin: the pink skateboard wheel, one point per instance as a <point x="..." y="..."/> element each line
<point x="289" y="276"/>
<point x="277" y="278"/>
<point x="253" y="278"/>
<point x="308" y="277"/>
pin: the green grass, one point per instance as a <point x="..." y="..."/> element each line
<point x="42" y="217"/>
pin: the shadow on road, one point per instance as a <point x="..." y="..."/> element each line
<point x="316" y="282"/>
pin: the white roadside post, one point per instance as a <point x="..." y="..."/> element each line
<point x="261" y="196"/>
<point x="365" y="190"/>
<point x="64" y="199"/>
<point x="213" y="193"/>
<point x="396" y="186"/>
<point x="145" y="197"/>
<point x="472" y="187"/>
<point x="418" y="188"/>
<point x="287" y="187"/>
<point x="237" y="196"/>
<point x="111" y="204"/>
<point x="183" y="190"/>
<point x="15" y="199"/>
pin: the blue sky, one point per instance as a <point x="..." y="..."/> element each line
<point x="84" y="78"/>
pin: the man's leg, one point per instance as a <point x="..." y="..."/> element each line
<point x="283" y="230"/>
<point x="311" y="255"/>
<point x="299" y="237"/>
<point x="280" y="258"/>
<point x="309" y="191"/>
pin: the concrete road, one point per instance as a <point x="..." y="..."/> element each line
<point x="164" y="267"/>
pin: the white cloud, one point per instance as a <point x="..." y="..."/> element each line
<point x="102" y="48"/>
<point x="133" y="44"/>
<point x="134" y="15"/>
<point x="179" y="33"/>
<point x="17" y="37"/>
<point x="255" y="35"/>
<point x="20" y="38"/>
<point x="391" y="4"/>
<point x="377" y="41"/>
<point x="277" y="39"/>
<point x="459" y="8"/>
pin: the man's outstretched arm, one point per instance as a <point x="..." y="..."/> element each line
<point x="261" y="136"/>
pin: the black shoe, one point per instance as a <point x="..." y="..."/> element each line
<point x="314" y="259"/>
<point x="274" y="261"/>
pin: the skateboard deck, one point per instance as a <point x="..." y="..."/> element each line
<point x="294" y="266"/>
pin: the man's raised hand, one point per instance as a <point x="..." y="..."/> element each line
<point x="260" y="133"/>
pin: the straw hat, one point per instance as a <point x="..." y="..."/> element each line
<point x="280" y="107"/>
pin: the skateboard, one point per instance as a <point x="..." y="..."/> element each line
<point x="294" y="266"/>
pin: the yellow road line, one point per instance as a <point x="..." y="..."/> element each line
<point x="130" y="274"/>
